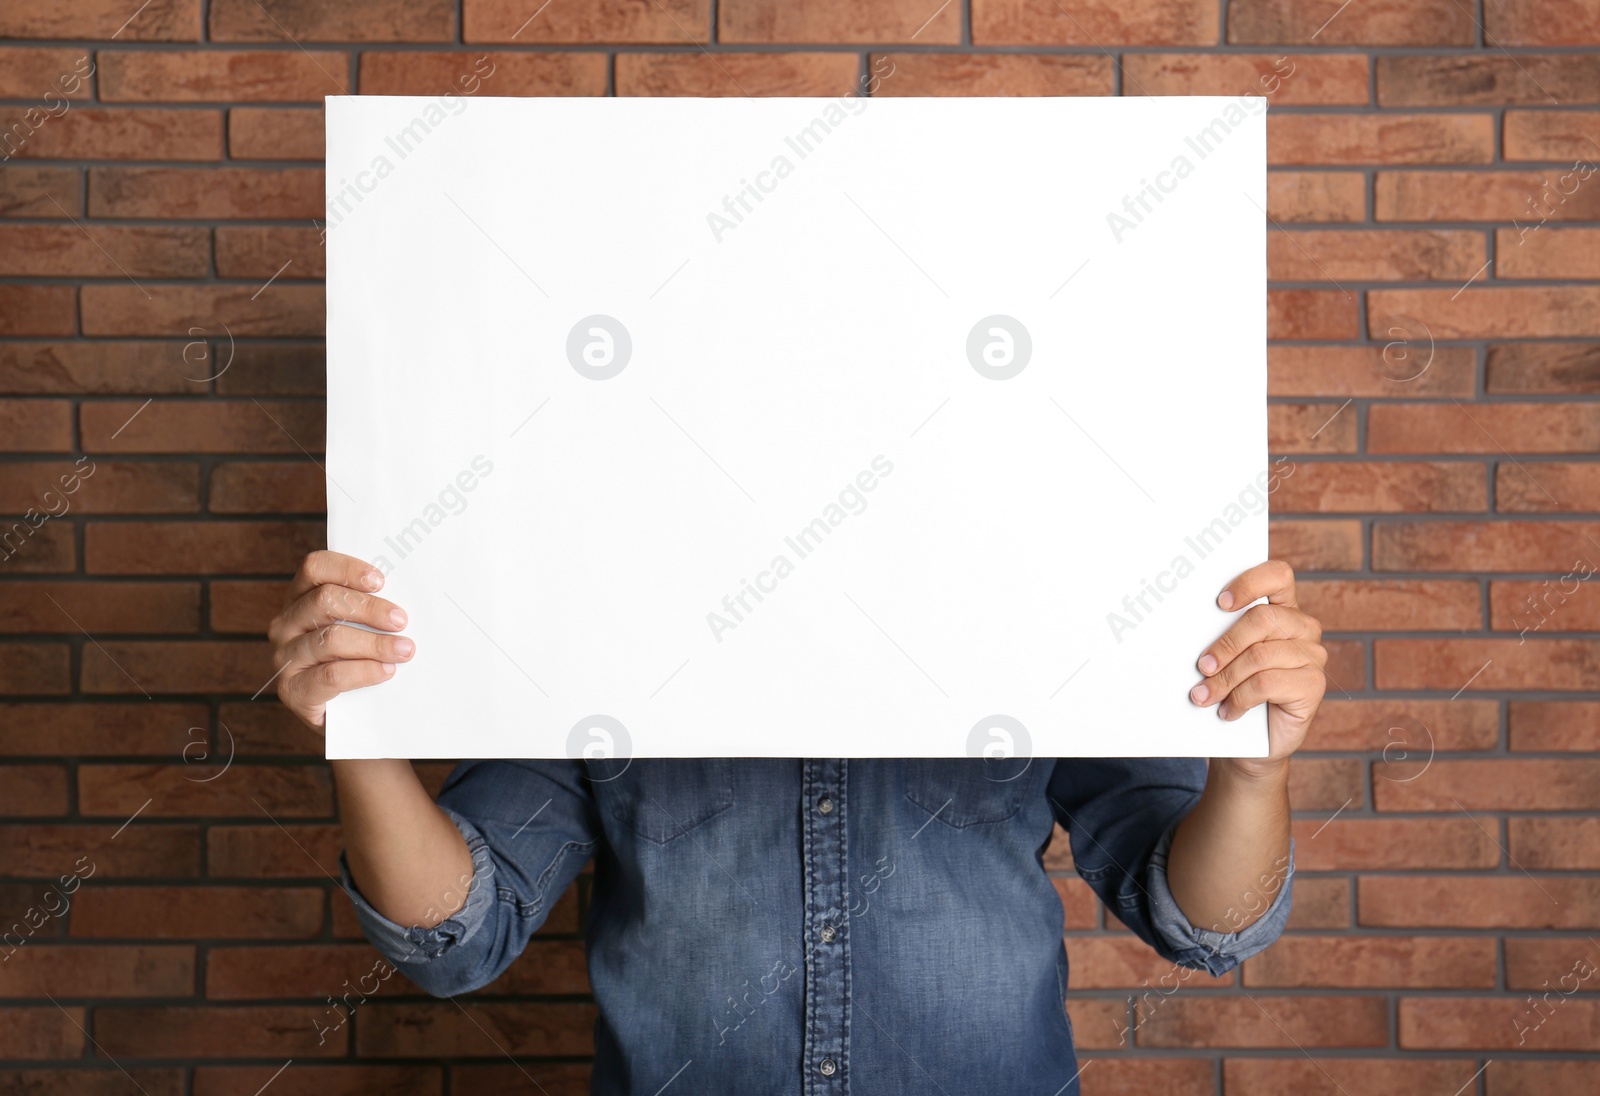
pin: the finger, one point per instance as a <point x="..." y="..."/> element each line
<point x="1257" y="624"/>
<point x="1298" y="691"/>
<point x="322" y="567"/>
<point x="329" y="603"/>
<point x="1267" y="655"/>
<point x="306" y="693"/>
<point x="343" y="641"/>
<point x="1273" y="580"/>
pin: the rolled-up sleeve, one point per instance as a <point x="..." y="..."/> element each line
<point x="529" y="828"/>
<point x="1121" y="814"/>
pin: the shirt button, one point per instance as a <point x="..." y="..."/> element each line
<point x="828" y="934"/>
<point x="826" y="1067"/>
<point x="825" y="805"/>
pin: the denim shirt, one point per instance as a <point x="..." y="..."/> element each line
<point x="818" y="927"/>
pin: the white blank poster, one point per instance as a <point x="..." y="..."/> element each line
<point x="797" y="427"/>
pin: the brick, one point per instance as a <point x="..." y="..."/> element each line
<point x="1306" y="1021"/>
<point x="1311" y="314"/>
<point x="1380" y="139"/>
<point x="1543" y="367"/>
<point x="547" y="967"/>
<point x="27" y="190"/>
<point x="1316" y="196"/>
<point x="1521" y="23"/>
<point x="438" y="1029"/>
<point x="1403" y="366"/>
<point x="197" y="912"/>
<point x="47" y="549"/>
<point x="1422" y="255"/>
<point x="1346" y="668"/>
<point x="36" y="426"/>
<point x="203" y="426"/>
<point x="1498" y="785"/>
<point x="90" y="728"/>
<point x="158" y="21"/>
<point x="1545" y="135"/>
<point x="271" y="851"/>
<point x="91" y="368"/>
<point x="1561" y="964"/>
<point x="42" y="1031"/>
<point x="275" y="369"/>
<point x="1288" y="79"/>
<point x="47" y="73"/>
<point x="268" y="728"/>
<point x="1479" y="901"/>
<point x="558" y="1079"/>
<point x="99" y="971"/>
<point x="364" y="21"/>
<point x="1114" y="1076"/>
<point x="1329" y="23"/>
<point x="245" y="605"/>
<point x="117" y="133"/>
<point x="1483" y="428"/>
<point x="1096" y="23"/>
<point x="1126" y="962"/>
<point x="316" y="1079"/>
<point x="283" y="309"/>
<point x="178" y="1031"/>
<point x="1554" y="844"/>
<point x="199" y="548"/>
<point x="101" y="607"/>
<point x="1097" y="1023"/>
<point x="1565" y="310"/>
<point x="1533" y="663"/>
<point x="176" y="666"/>
<point x="1309" y="428"/>
<point x="672" y="22"/>
<point x="206" y="787"/>
<point x="216" y="193"/>
<point x="34" y="668"/>
<point x="317" y="971"/>
<point x="732" y="74"/>
<point x="1563" y="604"/>
<point x="42" y="850"/>
<point x="1363" y="844"/>
<point x="1400" y="605"/>
<point x="1080" y="907"/>
<point x="267" y="487"/>
<point x="1525" y="197"/>
<point x="1547" y="253"/>
<point x="1556" y="725"/>
<point x="1497" y="1023"/>
<point x="1367" y="486"/>
<point x="276" y="133"/>
<point x="493" y="72"/>
<point x="109" y="487"/>
<point x="110" y="1081"/>
<point x="1320" y="903"/>
<point x="1537" y="1076"/>
<point x="1325" y="783"/>
<point x="1402" y="727"/>
<point x="1307" y="1076"/>
<point x="1375" y="962"/>
<point x="196" y="76"/>
<point x="845" y="21"/>
<point x="38" y="310"/>
<point x="1317" y="545"/>
<point x="33" y="791"/>
<point x="1480" y="546"/>
<point x="990" y="74"/>
<point x="1486" y="79"/>
<point x="1532" y="487"/>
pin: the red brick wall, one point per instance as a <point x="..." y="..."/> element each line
<point x="1435" y="315"/>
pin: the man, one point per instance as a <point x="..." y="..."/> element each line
<point x="814" y="926"/>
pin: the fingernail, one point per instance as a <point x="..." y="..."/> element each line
<point x="388" y="669"/>
<point x="1225" y="599"/>
<point x="403" y="647"/>
<point x="1199" y="693"/>
<point x="372" y="580"/>
<point x="397" y="618"/>
<point x="1208" y="664"/>
<point x="1222" y="710"/>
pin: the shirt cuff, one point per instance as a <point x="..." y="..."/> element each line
<point x="1216" y="949"/>
<point x="400" y="944"/>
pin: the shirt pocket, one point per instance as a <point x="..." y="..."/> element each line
<point x="961" y="792"/>
<point x="662" y="799"/>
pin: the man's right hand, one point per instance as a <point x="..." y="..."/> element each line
<point x="316" y="653"/>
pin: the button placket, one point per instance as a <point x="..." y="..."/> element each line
<point x="827" y="945"/>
